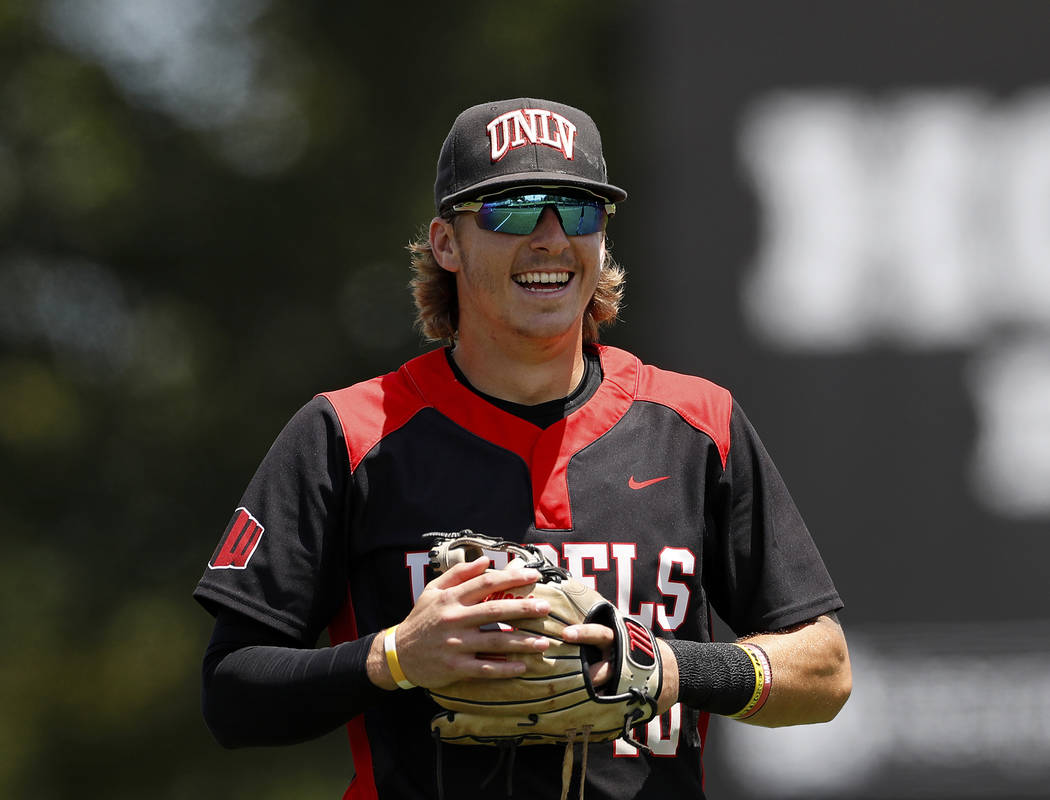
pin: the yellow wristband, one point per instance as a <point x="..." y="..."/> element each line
<point x="763" y="680"/>
<point x="391" y="660"/>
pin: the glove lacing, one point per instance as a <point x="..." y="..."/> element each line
<point x="566" y="764"/>
<point x="507" y="752"/>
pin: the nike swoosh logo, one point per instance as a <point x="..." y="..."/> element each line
<point x="642" y="484"/>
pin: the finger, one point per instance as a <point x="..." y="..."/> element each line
<point x="499" y="666"/>
<point x="460" y="573"/>
<point x="590" y="633"/>
<point x="601" y="673"/>
<point x="503" y="642"/>
<point x="478" y="643"/>
<point x="490" y="612"/>
<point x="460" y="666"/>
<point x="489" y="584"/>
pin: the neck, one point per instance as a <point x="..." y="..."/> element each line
<point x="527" y="372"/>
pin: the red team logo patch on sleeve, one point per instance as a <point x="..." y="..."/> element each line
<point x="238" y="543"/>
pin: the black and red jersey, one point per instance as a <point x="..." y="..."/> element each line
<point x="656" y="491"/>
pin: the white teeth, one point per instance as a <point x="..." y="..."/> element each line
<point x="542" y="277"/>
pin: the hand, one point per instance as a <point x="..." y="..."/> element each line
<point x="602" y="637"/>
<point x="440" y="641"/>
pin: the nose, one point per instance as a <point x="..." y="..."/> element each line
<point x="549" y="237"/>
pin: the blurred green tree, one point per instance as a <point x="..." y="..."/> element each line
<point x="203" y="214"/>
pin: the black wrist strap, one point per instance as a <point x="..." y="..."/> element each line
<point x="717" y="677"/>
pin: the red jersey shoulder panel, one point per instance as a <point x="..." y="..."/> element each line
<point x="703" y="404"/>
<point x="373" y="409"/>
<point x="437" y="384"/>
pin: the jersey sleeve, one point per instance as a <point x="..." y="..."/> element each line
<point x="765" y="572"/>
<point x="282" y="558"/>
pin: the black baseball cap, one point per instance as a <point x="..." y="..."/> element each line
<point x="523" y="142"/>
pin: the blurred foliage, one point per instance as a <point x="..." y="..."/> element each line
<point x="181" y="266"/>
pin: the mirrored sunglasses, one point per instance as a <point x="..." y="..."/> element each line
<point x="519" y="214"/>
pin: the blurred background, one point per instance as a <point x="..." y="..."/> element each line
<point x="841" y="211"/>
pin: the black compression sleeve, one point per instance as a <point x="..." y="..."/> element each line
<point x="713" y="676"/>
<point x="261" y="687"/>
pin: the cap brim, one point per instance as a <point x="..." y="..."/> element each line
<point x="613" y="194"/>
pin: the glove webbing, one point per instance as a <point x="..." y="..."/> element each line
<point x="531" y="556"/>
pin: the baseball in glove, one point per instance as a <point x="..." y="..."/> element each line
<point x="554" y="700"/>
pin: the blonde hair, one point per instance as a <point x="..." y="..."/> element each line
<point x="437" y="305"/>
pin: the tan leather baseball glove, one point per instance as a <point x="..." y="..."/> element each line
<point x="554" y="701"/>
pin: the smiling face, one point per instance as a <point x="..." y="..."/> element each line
<point x="512" y="287"/>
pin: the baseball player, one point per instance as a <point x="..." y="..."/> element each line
<point x="648" y="486"/>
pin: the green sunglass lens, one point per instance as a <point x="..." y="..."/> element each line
<point x="510" y="220"/>
<point x="521" y="215"/>
<point x="579" y="220"/>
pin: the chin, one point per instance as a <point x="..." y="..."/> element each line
<point x="550" y="329"/>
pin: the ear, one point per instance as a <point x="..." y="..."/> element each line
<point x="443" y="244"/>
